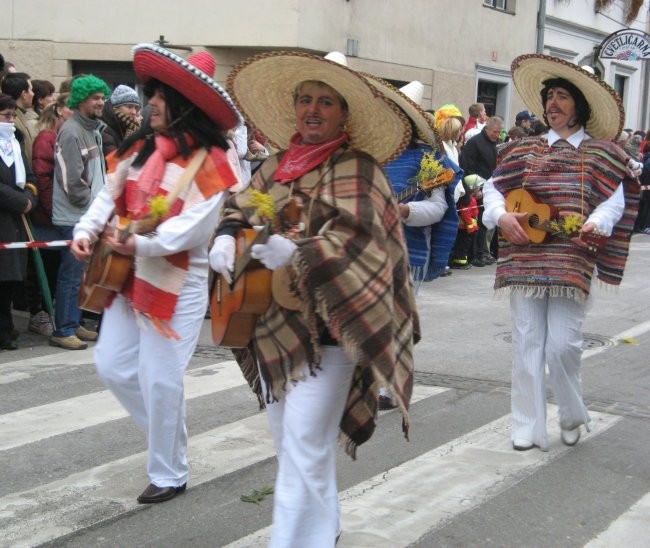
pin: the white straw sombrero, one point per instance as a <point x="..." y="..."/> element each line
<point x="408" y="99"/>
<point x="263" y="87"/>
<point x="607" y="113"/>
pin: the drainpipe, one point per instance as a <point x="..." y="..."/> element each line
<point x="541" y="23"/>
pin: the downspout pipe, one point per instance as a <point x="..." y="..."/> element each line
<point x="541" y="24"/>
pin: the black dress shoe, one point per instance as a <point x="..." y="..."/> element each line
<point x="8" y="345"/>
<point x="386" y="403"/>
<point x="153" y="493"/>
<point x="15" y="334"/>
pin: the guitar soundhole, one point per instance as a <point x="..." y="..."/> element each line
<point x="533" y="220"/>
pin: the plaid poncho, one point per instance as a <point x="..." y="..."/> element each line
<point x="351" y="272"/>
<point x="555" y="175"/>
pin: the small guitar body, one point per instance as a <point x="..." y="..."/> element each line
<point x="235" y="308"/>
<point x="540" y="215"/>
<point x="105" y="275"/>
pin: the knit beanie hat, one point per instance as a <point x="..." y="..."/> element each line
<point x="84" y="86"/>
<point x="124" y="95"/>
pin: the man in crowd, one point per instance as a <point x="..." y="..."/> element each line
<point x="479" y="155"/>
<point x="79" y="175"/>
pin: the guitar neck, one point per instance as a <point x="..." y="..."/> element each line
<point x="407" y="192"/>
<point x="245" y="258"/>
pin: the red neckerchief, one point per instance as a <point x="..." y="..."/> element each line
<point x="301" y="158"/>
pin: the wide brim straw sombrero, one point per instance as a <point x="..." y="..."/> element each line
<point x="262" y="87"/>
<point x="192" y="78"/>
<point x="607" y="113"/>
<point x="426" y="131"/>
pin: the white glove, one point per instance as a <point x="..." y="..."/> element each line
<point x="275" y="253"/>
<point x="634" y="168"/>
<point x="222" y="256"/>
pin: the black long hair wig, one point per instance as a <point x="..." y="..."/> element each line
<point x="184" y="119"/>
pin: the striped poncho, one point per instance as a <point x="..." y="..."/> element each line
<point x="576" y="181"/>
<point x="351" y="274"/>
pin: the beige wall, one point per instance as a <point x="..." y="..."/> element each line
<point x="439" y="42"/>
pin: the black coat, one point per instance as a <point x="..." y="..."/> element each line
<point x="479" y="155"/>
<point x="13" y="201"/>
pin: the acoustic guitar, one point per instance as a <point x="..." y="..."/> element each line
<point x="107" y="270"/>
<point x="538" y="224"/>
<point x="443" y="179"/>
<point x="235" y="307"/>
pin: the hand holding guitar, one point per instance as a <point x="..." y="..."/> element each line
<point x="222" y="256"/>
<point x="275" y="253"/>
<point x="512" y="226"/>
<point x="81" y="249"/>
<point x="126" y="247"/>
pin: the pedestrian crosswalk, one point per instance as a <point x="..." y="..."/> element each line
<point x="394" y="502"/>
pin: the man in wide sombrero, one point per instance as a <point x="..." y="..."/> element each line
<point x="589" y="184"/>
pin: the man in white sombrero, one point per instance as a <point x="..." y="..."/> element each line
<point x="170" y="178"/>
<point x="317" y="362"/>
<point x="548" y="253"/>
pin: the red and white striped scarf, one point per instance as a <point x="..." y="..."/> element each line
<point x="158" y="281"/>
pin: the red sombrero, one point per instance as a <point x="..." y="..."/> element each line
<point x="192" y="78"/>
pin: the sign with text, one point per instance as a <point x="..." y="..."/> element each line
<point x="627" y="45"/>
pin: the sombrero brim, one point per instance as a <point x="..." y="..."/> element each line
<point x="153" y="62"/>
<point x="607" y="113"/>
<point x="426" y="131"/>
<point x="263" y="87"/>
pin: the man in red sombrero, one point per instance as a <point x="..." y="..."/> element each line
<point x="578" y="195"/>
<point x="168" y="181"/>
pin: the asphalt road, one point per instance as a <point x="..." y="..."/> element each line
<point x="73" y="462"/>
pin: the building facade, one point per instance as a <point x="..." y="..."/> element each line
<point x="460" y="50"/>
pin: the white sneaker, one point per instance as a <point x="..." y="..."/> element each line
<point x="521" y="444"/>
<point x="40" y="323"/>
<point x="570" y="437"/>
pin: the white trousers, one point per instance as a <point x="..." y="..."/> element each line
<point x="305" y="425"/>
<point x="546" y="330"/>
<point x="144" y="370"/>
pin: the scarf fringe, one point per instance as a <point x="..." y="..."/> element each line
<point x="540" y="292"/>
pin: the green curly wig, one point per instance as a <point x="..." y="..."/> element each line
<point x="84" y="86"/>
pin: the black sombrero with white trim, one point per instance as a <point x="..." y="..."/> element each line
<point x="192" y="78"/>
<point x="607" y="113"/>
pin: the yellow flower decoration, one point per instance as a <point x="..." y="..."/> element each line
<point x="264" y="204"/>
<point x="568" y="226"/>
<point x="158" y="207"/>
<point x="430" y="168"/>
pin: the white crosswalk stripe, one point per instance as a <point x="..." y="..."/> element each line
<point x="394" y="508"/>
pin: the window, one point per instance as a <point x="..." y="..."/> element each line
<point x="507" y="6"/>
<point x="487" y="94"/>
<point x="619" y="85"/>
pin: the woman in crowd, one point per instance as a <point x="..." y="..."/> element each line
<point x="318" y="365"/>
<point x="49" y="123"/>
<point x="17" y="198"/>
